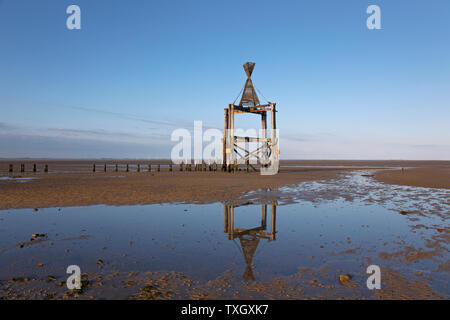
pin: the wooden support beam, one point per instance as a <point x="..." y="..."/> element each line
<point x="264" y="216"/>
<point x="252" y="109"/>
<point x="273" y="117"/>
<point x="251" y="139"/>
<point x="264" y="120"/>
<point x="273" y="222"/>
<point x="225" y="218"/>
<point x="231" y="223"/>
<point x="225" y="130"/>
<point x="231" y="135"/>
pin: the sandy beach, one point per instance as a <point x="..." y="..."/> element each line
<point x="72" y="183"/>
<point x="418" y="177"/>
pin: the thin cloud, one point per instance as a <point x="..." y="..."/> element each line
<point x="128" y="116"/>
<point x="87" y="134"/>
<point x="5" y="126"/>
<point x="17" y="146"/>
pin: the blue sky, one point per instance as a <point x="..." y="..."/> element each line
<point x="137" y="70"/>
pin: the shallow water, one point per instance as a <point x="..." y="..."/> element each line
<point x="330" y="227"/>
<point x="18" y="179"/>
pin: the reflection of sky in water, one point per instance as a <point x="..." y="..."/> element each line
<point x="13" y="179"/>
<point x="168" y="238"/>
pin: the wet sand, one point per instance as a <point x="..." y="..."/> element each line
<point x="62" y="190"/>
<point x="417" y="177"/>
<point x="72" y="183"/>
<point x="175" y="286"/>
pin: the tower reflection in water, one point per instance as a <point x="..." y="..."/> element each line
<point x="249" y="238"/>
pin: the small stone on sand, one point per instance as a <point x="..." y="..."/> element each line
<point x="344" y="278"/>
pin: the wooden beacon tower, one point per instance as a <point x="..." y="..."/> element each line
<point x="266" y="152"/>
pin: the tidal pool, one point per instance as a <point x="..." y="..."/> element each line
<point x="315" y="232"/>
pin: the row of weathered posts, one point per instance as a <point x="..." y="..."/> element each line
<point x="22" y="168"/>
<point x="181" y="167"/>
<point x="172" y="167"/>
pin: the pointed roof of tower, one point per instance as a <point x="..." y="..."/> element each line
<point x="248" y="67"/>
<point x="249" y="96"/>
